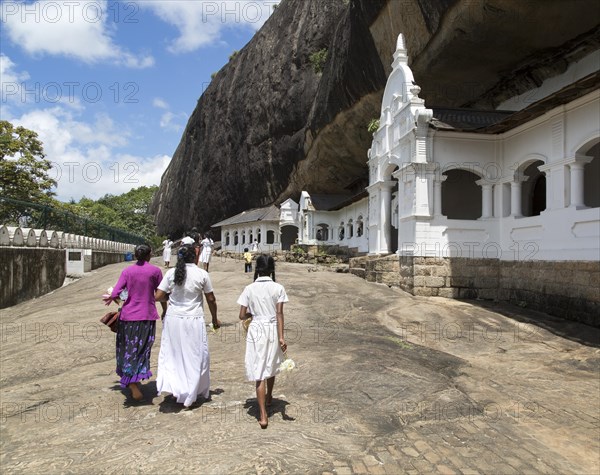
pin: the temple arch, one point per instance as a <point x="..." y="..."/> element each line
<point x="359" y="226"/>
<point x="322" y="232"/>
<point x="461" y="195"/>
<point x="533" y="192"/>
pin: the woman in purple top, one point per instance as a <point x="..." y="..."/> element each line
<point x="137" y="323"/>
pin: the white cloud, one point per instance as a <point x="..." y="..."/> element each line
<point x="169" y="120"/>
<point x="8" y="72"/>
<point x="200" y="22"/>
<point x="166" y="119"/>
<point x="11" y="80"/>
<point x="160" y="103"/>
<point x="65" y="28"/>
<point x="85" y="162"/>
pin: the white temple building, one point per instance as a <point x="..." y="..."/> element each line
<point x="273" y="228"/>
<point x="522" y="182"/>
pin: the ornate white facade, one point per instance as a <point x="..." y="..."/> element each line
<point x="528" y="191"/>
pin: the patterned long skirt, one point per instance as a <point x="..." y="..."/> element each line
<point x="134" y="343"/>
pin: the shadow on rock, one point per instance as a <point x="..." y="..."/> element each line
<point x="148" y="391"/>
<point x="278" y="406"/>
<point x="569" y="329"/>
<point x="170" y="405"/>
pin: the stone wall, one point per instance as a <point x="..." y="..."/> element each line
<point x="565" y="289"/>
<point x="569" y="290"/>
<point x="385" y="270"/>
<point x="33" y="262"/>
<point x="26" y="273"/>
<point x="100" y="259"/>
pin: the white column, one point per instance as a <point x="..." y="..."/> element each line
<point x="515" y="195"/>
<point x="577" y="189"/>
<point x="385" y="216"/>
<point x="374" y="226"/>
<point x="558" y="184"/>
<point x="263" y="234"/>
<point x="487" y="199"/>
<point x="437" y="195"/>
<point x="515" y="199"/>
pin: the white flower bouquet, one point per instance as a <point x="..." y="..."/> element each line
<point x="122" y="296"/>
<point x="288" y="364"/>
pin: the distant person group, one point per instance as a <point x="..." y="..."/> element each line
<point x="203" y="247"/>
<point x="184" y="359"/>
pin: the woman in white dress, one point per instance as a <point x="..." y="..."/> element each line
<point x="167" y="244"/>
<point x="207" y="244"/>
<point x="183" y="361"/>
<point x="263" y="302"/>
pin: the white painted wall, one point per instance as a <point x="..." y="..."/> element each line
<point x="334" y="220"/>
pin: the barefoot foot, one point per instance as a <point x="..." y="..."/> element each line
<point x="136" y="394"/>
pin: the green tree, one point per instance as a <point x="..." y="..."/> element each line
<point x="97" y="212"/>
<point x="23" y="173"/>
<point x="132" y="211"/>
<point x="23" y="165"/>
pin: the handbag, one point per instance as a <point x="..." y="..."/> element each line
<point x="111" y="320"/>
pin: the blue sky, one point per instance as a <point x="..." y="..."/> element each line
<point x="109" y="86"/>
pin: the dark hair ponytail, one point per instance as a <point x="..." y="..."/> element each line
<point x="185" y="255"/>
<point x="142" y="253"/>
<point x="265" y="267"/>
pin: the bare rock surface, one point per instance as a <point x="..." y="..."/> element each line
<point x="386" y="383"/>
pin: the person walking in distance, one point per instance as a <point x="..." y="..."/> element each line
<point x="247" y="261"/>
<point x="207" y="246"/>
<point x="167" y="246"/>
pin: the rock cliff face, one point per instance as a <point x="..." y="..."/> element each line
<point x="271" y="124"/>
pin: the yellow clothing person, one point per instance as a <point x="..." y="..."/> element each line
<point x="247" y="261"/>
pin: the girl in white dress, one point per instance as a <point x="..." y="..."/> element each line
<point x="207" y="245"/>
<point x="183" y="361"/>
<point x="263" y="302"/>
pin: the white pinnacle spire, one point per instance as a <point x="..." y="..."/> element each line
<point x="400" y="43"/>
<point x="400" y="56"/>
